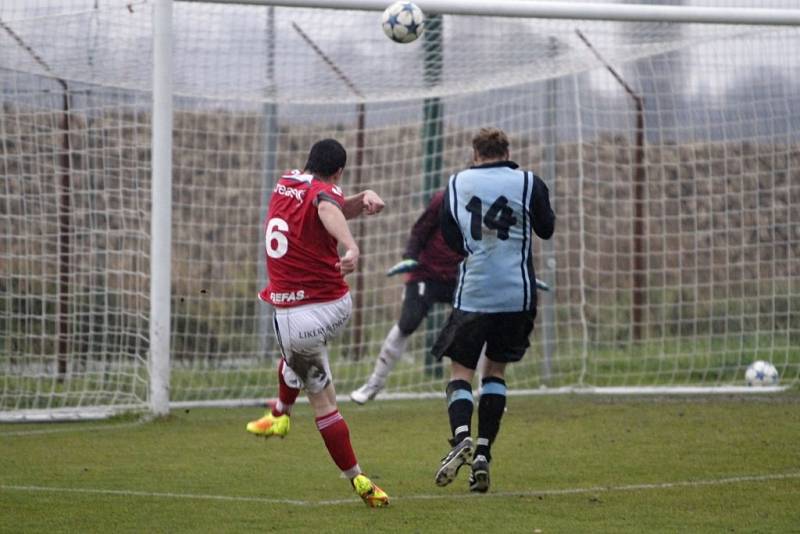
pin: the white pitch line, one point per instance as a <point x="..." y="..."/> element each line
<point x="65" y="429"/>
<point x="151" y="494"/>
<point x="628" y="487"/>
<point x="298" y="502"/>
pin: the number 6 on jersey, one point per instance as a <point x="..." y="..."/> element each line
<point x="274" y="236"/>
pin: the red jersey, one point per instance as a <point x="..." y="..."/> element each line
<point x="301" y="255"/>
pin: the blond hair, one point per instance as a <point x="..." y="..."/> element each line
<point x="490" y="143"/>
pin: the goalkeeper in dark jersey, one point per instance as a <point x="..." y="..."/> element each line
<point x="490" y="214"/>
<point x="431" y="268"/>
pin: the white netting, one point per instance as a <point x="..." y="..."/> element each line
<point x="720" y="238"/>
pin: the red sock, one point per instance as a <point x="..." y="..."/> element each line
<point x="337" y="439"/>
<point x="286" y="395"/>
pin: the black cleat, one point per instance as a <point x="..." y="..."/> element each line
<point x="458" y="456"/>
<point x="479" y="478"/>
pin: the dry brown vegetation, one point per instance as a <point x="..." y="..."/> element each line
<point x="721" y="218"/>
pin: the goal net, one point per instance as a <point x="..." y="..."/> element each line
<point x="670" y="149"/>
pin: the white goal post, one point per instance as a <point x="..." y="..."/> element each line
<point x="559" y="10"/>
<point x="140" y="140"/>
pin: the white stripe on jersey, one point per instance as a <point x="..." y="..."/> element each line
<point x="526" y="232"/>
<point x="296" y="174"/>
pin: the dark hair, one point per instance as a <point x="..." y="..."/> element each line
<point x="491" y="143"/>
<point x="325" y="158"/>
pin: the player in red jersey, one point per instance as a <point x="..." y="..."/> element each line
<point x="307" y="219"/>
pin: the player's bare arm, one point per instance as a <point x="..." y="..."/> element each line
<point x="367" y="202"/>
<point x="333" y="219"/>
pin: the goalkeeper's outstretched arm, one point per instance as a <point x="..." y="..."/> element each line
<point x="402" y="266"/>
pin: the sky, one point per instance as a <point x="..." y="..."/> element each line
<point x="225" y="56"/>
<point x="223" y="50"/>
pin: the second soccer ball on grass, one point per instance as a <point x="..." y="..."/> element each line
<point x="761" y="373"/>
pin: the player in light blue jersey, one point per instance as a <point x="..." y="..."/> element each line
<point x="490" y="214"/>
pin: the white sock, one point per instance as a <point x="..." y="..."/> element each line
<point x="392" y="350"/>
<point x="352" y="473"/>
<point x="283" y="408"/>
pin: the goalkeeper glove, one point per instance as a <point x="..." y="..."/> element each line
<point x="403" y="266"/>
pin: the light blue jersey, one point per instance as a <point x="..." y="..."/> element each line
<point x="493" y="209"/>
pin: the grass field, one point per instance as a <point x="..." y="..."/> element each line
<point x="562" y="464"/>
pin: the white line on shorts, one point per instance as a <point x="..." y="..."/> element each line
<point x="298" y="502"/>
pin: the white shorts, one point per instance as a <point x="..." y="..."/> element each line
<point x="303" y="333"/>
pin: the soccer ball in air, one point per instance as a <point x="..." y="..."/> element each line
<point x="403" y="22"/>
<point x="761" y="373"/>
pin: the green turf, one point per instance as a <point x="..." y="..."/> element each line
<point x="562" y="464"/>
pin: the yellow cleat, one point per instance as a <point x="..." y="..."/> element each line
<point x="269" y="426"/>
<point x="372" y="495"/>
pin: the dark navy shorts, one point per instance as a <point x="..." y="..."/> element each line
<point x="506" y="336"/>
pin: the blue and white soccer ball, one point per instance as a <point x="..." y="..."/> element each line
<point x="761" y="373"/>
<point x="403" y="22"/>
